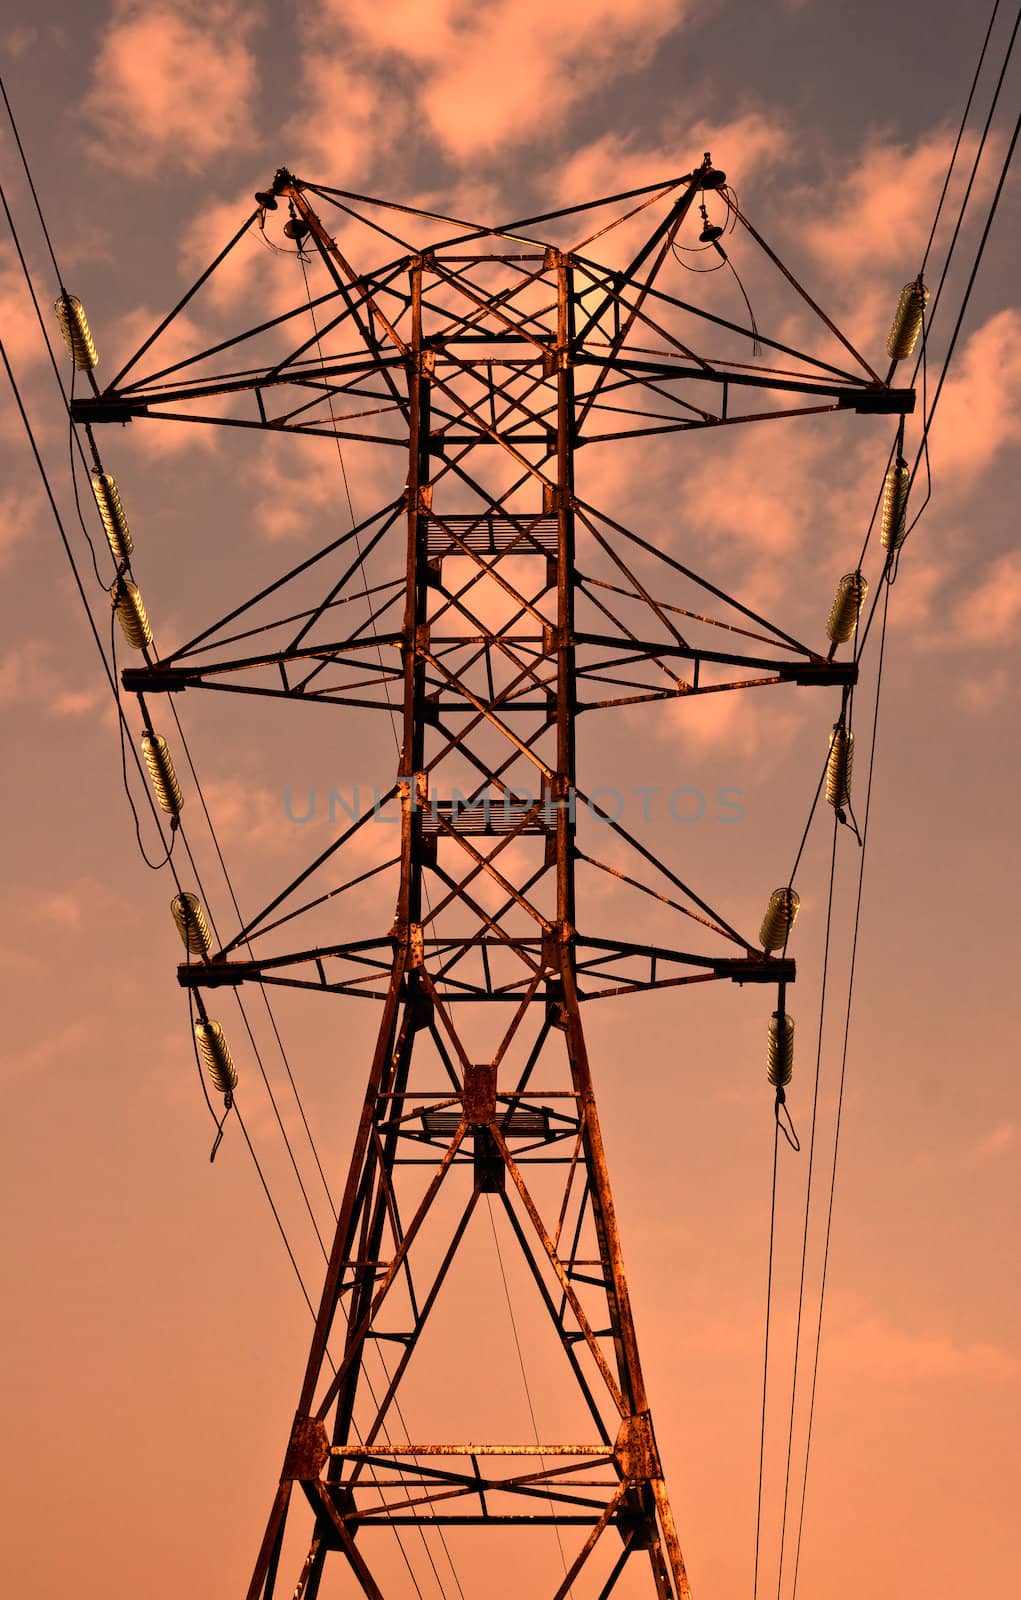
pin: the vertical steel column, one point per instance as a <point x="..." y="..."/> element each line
<point x="419" y="367"/>
<point x="564" y="636"/>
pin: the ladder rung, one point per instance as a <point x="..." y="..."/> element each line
<point x="491" y="534"/>
<point x="492" y="815"/>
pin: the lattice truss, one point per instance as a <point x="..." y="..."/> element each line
<point x="488" y="605"/>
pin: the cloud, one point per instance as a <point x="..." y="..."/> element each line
<point x="352" y="117"/>
<point x="881" y="210"/>
<point x="244" y="271"/>
<point x="616" y="163"/>
<point x="77" y="702"/>
<point x="63" y="910"/>
<point x="246" y="814"/>
<point x="82" y="904"/>
<point x="994" y="1144"/>
<point x="21" y="515"/>
<point x="27" y="678"/>
<point x="914" y="606"/>
<point x="761" y="496"/>
<point x="174" y="83"/>
<point x="545" y="60"/>
<point x="23" y="340"/>
<point x="40" y="1060"/>
<point x="867" y="1344"/>
<point x="858" y="1342"/>
<point x="17" y="672"/>
<point x="741" y="720"/>
<point x="984" y="694"/>
<point x="988" y="615"/>
<point x="980" y="408"/>
<point x="15" y="41"/>
<point x="155" y="439"/>
<point x="305" y="496"/>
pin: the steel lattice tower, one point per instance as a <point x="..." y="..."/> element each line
<point x="490" y="359"/>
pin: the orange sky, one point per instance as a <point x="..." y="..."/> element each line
<point x="155" y="1333"/>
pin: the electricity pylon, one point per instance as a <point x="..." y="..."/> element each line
<point x="499" y="607"/>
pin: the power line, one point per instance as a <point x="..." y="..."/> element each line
<point x="808" y="1190"/>
<point x="44" y="476"/>
<point x="928" y="418"/>
<point x="928" y="415"/>
<point x="113" y="683"/>
<point x="123" y="728"/>
<point x="31" y="184"/>
<point x="840" y="1091"/>
<point x="980" y="251"/>
<point x="930" y="315"/>
<point x="765" y="1356"/>
<point x="960" y="136"/>
<point x="111" y="677"/>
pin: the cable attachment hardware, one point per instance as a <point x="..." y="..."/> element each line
<point x="838" y="770"/>
<point x="74" y="325"/>
<point x="228" y="1101"/>
<point x="711" y="231"/>
<point x="296" y="227"/>
<point x="784" y="1120"/>
<point x="131" y="613"/>
<point x="216" y="1054"/>
<point x="893" y="528"/>
<point x="780" y="1049"/>
<point x="192" y="924"/>
<point x="710" y="177"/>
<point x="846" y="608"/>
<point x="115" y="523"/>
<point x="164" y="779"/>
<point x="907" y="320"/>
<point x="781" y="915"/>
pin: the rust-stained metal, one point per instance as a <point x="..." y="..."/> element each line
<point x="308" y="1451"/>
<point x="483" y="364"/>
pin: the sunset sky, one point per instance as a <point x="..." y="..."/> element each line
<point x="155" y="1335"/>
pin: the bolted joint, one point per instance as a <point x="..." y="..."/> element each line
<point x="414" y="641"/>
<point x="308" y="1450"/>
<point x="636" y="1523"/>
<point x="635" y="1452"/>
<point x="419" y="1002"/>
<point x="554" y="639"/>
<point x="479" y="1095"/>
<point x="556" y="1006"/>
<point x="342" y="1497"/>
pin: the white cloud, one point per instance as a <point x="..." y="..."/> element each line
<point x="979" y="411"/>
<point x="877" y="215"/>
<point x="174" y="81"/>
<point x="487" y="77"/>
